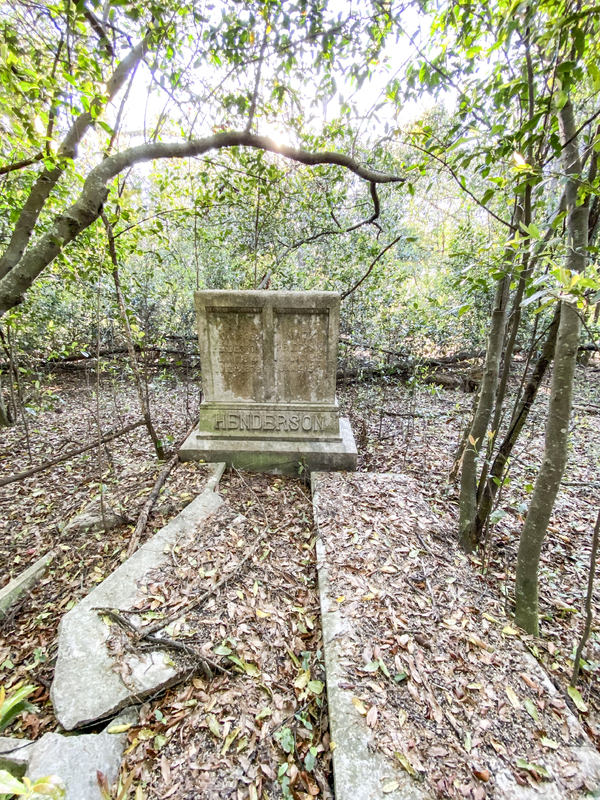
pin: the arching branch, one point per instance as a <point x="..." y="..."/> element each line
<point x="88" y="207"/>
<point x="48" y="178"/>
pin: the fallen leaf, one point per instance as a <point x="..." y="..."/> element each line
<point x="512" y="696"/>
<point x="358" y="705"/>
<point x="576" y="697"/>
<point x="405" y="763"/>
<point x="531" y="709"/>
<point x="372" y="717"/>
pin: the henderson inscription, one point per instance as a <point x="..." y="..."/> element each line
<point x="265" y="421"/>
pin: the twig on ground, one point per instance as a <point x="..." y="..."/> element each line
<point x="18" y="476"/>
<point x="428" y="549"/>
<point x="588" y="602"/>
<point x="162" y="623"/>
<point x="166" y="642"/>
<point x="149" y="504"/>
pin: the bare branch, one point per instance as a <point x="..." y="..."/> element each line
<point x="459" y="182"/>
<point x="48" y="179"/>
<point x="368" y="272"/>
<point x="99" y="31"/>
<point x="252" y="110"/>
<point x="26" y="162"/>
<point x="339" y="230"/>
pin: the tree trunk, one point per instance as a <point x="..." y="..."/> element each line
<point x="561" y="397"/>
<point x="5" y="420"/>
<point x="513" y="329"/>
<point x="48" y="178"/>
<point x="488" y="495"/>
<point x="481" y="419"/>
<point x="143" y="397"/>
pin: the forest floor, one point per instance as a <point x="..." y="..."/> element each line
<point x="420" y="443"/>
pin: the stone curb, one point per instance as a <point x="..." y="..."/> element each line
<point x="25" y="581"/>
<point x="86" y="686"/>
<point x="78" y="759"/>
<point x="359" y="770"/>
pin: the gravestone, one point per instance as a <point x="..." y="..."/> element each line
<point x="269" y="364"/>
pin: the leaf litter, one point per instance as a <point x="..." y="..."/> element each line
<point x="447" y="686"/>
<point x="420" y="443"/>
<point x="261" y="729"/>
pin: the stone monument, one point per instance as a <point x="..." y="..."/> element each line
<point x="269" y="364"/>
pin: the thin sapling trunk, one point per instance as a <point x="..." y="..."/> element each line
<point x="561" y="396"/>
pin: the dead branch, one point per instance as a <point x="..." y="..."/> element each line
<point x="403" y="414"/>
<point x="149" y="504"/>
<point x="165" y="642"/>
<point x="588" y="602"/>
<point x="19" y="476"/>
<point x="142" y="521"/>
<point x="162" y="623"/>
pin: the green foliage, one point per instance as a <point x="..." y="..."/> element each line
<point x="14" y="704"/>
<point x="50" y="787"/>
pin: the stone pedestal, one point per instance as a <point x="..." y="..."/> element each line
<point x="269" y="366"/>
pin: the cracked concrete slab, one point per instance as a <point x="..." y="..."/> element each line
<point x="77" y="759"/>
<point x="23" y="582"/>
<point x="86" y="686"/>
<point x="14" y="755"/>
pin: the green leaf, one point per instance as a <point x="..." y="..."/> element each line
<point x="531" y="709"/>
<point x="576" y="697"/>
<point x="531" y="767"/>
<point x="310" y="759"/>
<point x="372" y="666"/>
<point x="10" y="785"/>
<point x="535" y="296"/>
<point x="285" y="739"/>
<point x="384" y="669"/>
<point x="561" y="99"/>
<point x="316" y="687"/>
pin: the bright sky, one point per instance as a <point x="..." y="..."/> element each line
<point x="142" y="108"/>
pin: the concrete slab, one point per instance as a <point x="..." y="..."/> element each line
<point x="77" y="759"/>
<point x="86" y="686"/>
<point x="90" y="519"/>
<point x="23" y="583"/>
<point x="281" y="457"/>
<point x="14" y="755"/>
<point x="361" y="771"/>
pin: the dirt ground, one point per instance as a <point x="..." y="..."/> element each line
<point x="412" y="430"/>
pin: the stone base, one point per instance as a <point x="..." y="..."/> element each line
<point x="276" y="456"/>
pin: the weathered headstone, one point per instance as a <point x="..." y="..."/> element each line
<point x="269" y="366"/>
